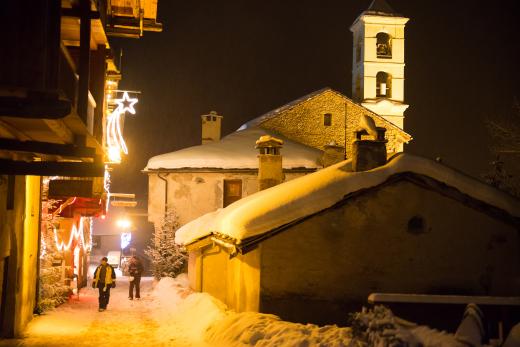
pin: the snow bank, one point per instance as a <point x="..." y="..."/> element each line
<point x="201" y="320"/>
<point x="199" y="316"/>
<point x="182" y="313"/>
<point x="257" y="329"/>
<point x="261" y="212"/>
<point x="235" y="151"/>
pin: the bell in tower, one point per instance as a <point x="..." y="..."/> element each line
<point x="378" y="61"/>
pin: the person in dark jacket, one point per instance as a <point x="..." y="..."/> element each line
<point x="104" y="279"/>
<point x="135" y="269"/>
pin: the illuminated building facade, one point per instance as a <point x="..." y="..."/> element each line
<point x="57" y="79"/>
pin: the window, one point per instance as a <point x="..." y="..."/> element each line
<point x="232" y="191"/>
<point x="383" y="45"/>
<point x="327" y="119"/>
<point x="383" y="85"/>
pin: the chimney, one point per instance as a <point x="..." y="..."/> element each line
<point x="369" y="154"/>
<point x="270" y="171"/>
<point x="332" y="154"/>
<point x="211" y="124"/>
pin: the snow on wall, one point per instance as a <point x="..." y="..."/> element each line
<point x="279" y="205"/>
<point x="235" y="151"/>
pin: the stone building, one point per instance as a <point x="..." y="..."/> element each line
<point x="201" y="179"/>
<point x="314" y="248"/>
<point x="204" y="178"/>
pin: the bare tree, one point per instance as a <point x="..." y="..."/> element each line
<point x="505" y="134"/>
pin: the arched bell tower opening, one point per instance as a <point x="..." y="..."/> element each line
<point x="384" y="46"/>
<point x="383" y="85"/>
<point x="378" y="61"/>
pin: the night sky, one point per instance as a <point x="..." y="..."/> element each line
<point x="244" y="58"/>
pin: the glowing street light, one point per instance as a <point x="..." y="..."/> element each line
<point x="124" y="223"/>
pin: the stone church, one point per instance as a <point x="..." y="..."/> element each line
<point x="314" y="131"/>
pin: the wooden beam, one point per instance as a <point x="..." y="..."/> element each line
<point x="60" y="129"/>
<point x="84" y="59"/>
<point x="47" y="168"/>
<point x="32" y="107"/>
<point x="47" y="148"/>
<point x="75" y="12"/>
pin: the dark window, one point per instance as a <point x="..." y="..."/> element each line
<point x="232" y="191"/>
<point x="213" y="118"/>
<point x="384" y="45"/>
<point x="383" y="85"/>
<point x="416" y="225"/>
<point x="327" y="119"/>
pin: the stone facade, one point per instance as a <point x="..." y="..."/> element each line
<point x="304" y="123"/>
<point x="320" y="268"/>
<point x="195" y="193"/>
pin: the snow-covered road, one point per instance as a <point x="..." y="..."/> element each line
<point x="78" y="322"/>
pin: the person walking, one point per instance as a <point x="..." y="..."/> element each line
<point x="104" y="279"/>
<point x="135" y="269"/>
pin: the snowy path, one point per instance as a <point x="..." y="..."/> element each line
<point x="78" y="322"/>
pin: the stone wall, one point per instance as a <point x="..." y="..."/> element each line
<point x="193" y="194"/>
<point x="304" y="123"/>
<point x="380" y="242"/>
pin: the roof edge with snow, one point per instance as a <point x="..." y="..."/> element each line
<point x="256" y="218"/>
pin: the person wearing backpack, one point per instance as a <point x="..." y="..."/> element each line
<point x="135" y="269"/>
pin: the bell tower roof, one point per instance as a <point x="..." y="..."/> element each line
<point x="381" y="8"/>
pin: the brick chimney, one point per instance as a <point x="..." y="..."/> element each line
<point x="211" y="125"/>
<point x="368" y="154"/>
<point x="332" y="154"/>
<point x="270" y="170"/>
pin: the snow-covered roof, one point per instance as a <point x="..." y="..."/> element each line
<point x="236" y="151"/>
<point x="259" y="120"/>
<point x="269" y="209"/>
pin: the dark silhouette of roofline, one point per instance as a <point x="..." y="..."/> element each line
<point x="381" y="8"/>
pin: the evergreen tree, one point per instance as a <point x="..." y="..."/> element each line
<point x="168" y="259"/>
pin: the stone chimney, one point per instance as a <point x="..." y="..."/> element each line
<point x="369" y="154"/>
<point x="332" y="154"/>
<point x="211" y="125"/>
<point x="270" y="170"/>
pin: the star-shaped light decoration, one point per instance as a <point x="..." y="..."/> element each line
<point x="126" y="104"/>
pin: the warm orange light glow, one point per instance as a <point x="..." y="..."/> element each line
<point x="115" y="141"/>
<point x="124" y="223"/>
<point x="75" y="234"/>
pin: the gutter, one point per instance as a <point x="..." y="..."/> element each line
<point x="165" y="191"/>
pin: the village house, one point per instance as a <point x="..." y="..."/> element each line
<point x="317" y="129"/>
<point x="59" y="82"/>
<point x="314" y="248"/>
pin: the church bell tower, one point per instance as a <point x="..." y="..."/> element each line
<point x="378" y="61"/>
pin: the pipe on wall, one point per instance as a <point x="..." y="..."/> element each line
<point x="165" y="191"/>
